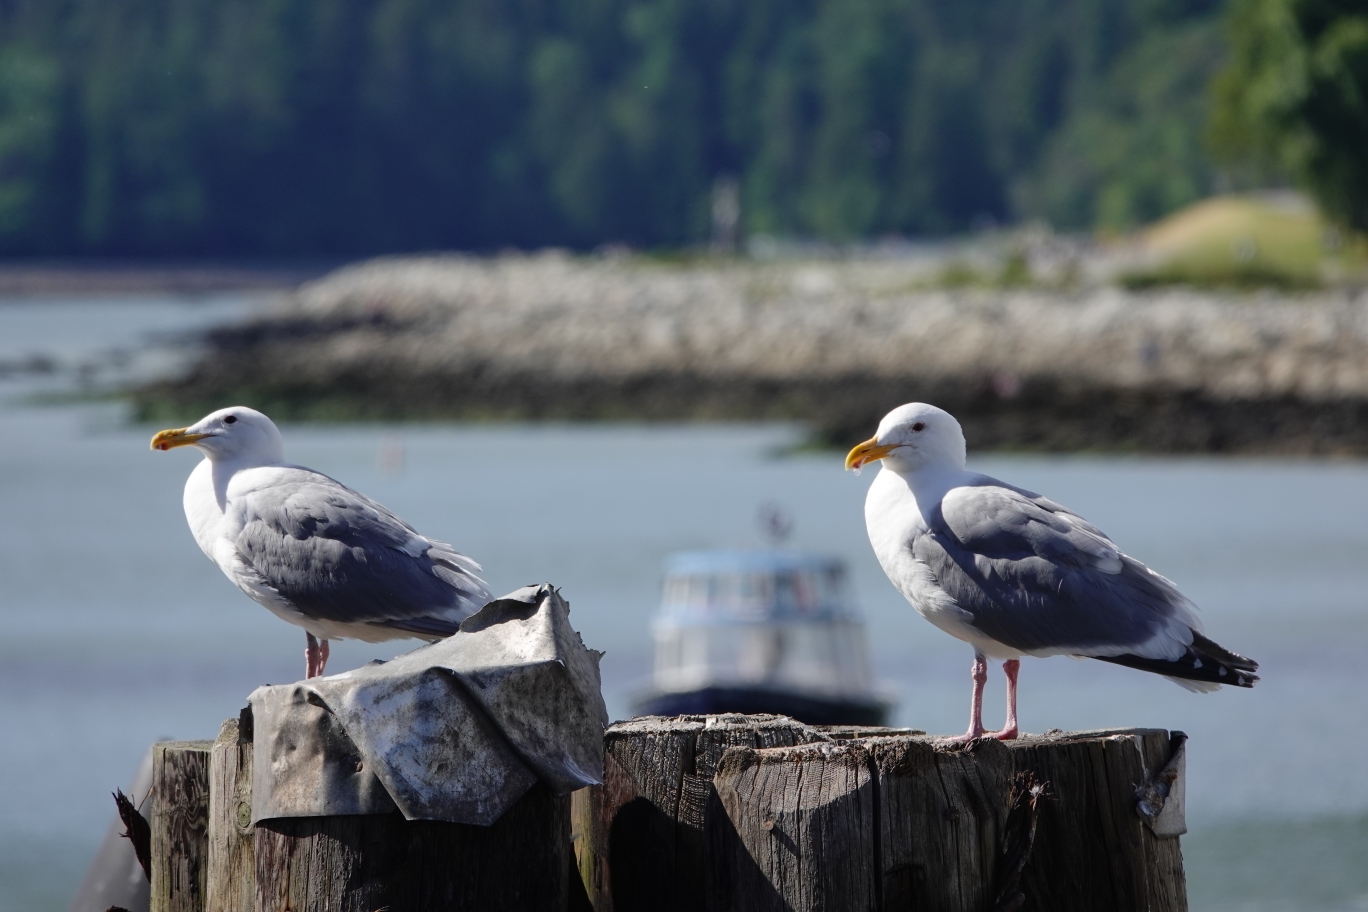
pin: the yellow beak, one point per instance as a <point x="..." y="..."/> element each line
<point x="869" y="451"/>
<point x="175" y="437"/>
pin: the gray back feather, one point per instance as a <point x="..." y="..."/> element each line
<point x="1038" y="577"/>
<point x="336" y="554"/>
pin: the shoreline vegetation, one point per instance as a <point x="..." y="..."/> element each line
<point x="1059" y="363"/>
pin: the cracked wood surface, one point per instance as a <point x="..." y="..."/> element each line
<point x="231" y="883"/>
<point x="799" y="818"/>
<point x="639" y="836"/>
<point x="180" y="810"/>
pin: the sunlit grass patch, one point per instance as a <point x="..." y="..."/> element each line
<point x="1214" y="273"/>
<point x="1244" y="242"/>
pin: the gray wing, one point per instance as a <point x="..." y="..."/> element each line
<point x="337" y="555"/>
<point x="1038" y="578"/>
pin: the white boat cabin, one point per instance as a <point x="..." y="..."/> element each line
<point x="771" y="620"/>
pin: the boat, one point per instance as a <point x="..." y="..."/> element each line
<point x="761" y="631"/>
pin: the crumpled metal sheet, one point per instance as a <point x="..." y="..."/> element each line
<point x="1161" y="800"/>
<point x="456" y="730"/>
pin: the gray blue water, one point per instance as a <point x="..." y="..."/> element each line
<point x="116" y="631"/>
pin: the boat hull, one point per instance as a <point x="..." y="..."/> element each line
<point x="808" y="708"/>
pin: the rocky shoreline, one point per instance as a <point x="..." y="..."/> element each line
<point x="833" y="343"/>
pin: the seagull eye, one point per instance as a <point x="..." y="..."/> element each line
<point x="919" y="426"/>
<point x="231" y="419"/>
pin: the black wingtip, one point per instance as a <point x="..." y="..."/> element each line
<point x="1205" y="660"/>
<point x="1219" y="653"/>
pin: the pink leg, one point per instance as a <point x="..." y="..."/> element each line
<point x="323" y="663"/>
<point x="1009" y="731"/>
<point x="311" y="652"/>
<point x="980" y="676"/>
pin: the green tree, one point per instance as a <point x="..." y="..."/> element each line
<point x="1294" y="98"/>
<point x="348" y="127"/>
<point x="28" y="135"/>
<point x="1133" y="150"/>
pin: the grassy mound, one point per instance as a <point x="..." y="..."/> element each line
<point x="1277" y="240"/>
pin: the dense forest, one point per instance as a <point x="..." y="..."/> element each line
<point x="1293" y="99"/>
<point x="300" y="127"/>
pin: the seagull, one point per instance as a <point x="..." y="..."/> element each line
<point x="1014" y="574"/>
<point x="310" y="549"/>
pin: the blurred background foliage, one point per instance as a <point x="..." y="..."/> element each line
<point x="294" y="127"/>
<point x="1294" y="98"/>
<point x="356" y="126"/>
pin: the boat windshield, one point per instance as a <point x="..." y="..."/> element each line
<point x="798" y="593"/>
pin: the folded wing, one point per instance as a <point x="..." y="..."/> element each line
<point x="1041" y="579"/>
<point x="337" y="555"/>
<point x="1044" y="580"/>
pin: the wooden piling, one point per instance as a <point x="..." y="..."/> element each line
<point x="1092" y="849"/>
<point x="898" y="822"/>
<point x="793" y="828"/>
<point x="180" y="809"/>
<point x="231" y="883"/>
<point x="716" y="812"/>
<point x="366" y="862"/>
<point x="639" y="836"/>
<point x="361" y="863"/>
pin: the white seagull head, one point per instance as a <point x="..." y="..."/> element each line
<point x="912" y="437"/>
<point x="238" y="435"/>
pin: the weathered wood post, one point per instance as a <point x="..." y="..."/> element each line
<point x="180" y="809"/>
<point x="715" y="812"/>
<point x="1093" y="849"/>
<point x="793" y="828"/>
<point x="1042" y="823"/>
<point x="231" y="885"/>
<point x="363" y="862"/>
<point x="639" y="837"/>
<point x="372" y="861"/>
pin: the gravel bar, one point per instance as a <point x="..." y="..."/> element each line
<point x="833" y="343"/>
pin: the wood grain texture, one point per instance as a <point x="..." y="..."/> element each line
<point x="231" y="879"/>
<point x="800" y="830"/>
<point x="364" y="863"/>
<point x="1092" y="849"/>
<point x="897" y="822"/>
<point x="639" y="837"/>
<point x="180" y="811"/>
<point x="940" y="822"/>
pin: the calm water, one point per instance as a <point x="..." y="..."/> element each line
<point x="115" y="630"/>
